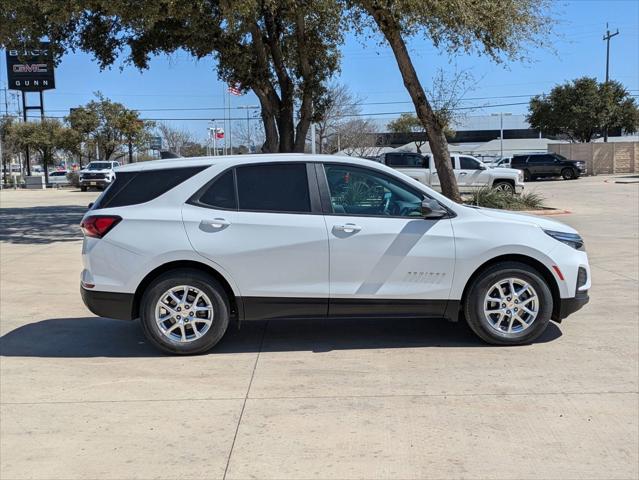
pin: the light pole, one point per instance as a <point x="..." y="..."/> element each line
<point x="501" y="129"/>
<point x="248" y="108"/>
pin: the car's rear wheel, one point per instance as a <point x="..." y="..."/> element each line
<point x="83" y="189"/>
<point x="505" y="187"/>
<point x="508" y="304"/>
<point x="184" y="312"/>
<point x="568" y="174"/>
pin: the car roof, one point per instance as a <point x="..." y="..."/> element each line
<point x="230" y="160"/>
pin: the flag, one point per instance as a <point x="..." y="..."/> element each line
<point x="235" y="89"/>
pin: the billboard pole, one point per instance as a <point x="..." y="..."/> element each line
<point x="24" y="118"/>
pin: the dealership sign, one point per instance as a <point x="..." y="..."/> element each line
<point x="30" y="70"/>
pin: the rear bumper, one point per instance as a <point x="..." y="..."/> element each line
<point x="108" y="304"/>
<point x="571" y="305"/>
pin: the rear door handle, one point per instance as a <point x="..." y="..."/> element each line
<point x="216" y="223"/>
<point x="347" y="228"/>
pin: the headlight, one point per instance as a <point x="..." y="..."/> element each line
<point x="571" y="239"/>
<point x="520" y="176"/>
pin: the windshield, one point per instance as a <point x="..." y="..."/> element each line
<point x="99" y="165"/>
<point x="560" y="157"/>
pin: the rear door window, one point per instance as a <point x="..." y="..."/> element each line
<point x="275" y="187"/>
<point x="221" y="193"/>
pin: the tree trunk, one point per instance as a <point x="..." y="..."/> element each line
<point x="436" y="138"/>
<point x="130" y="152"/>
<point x="45" y="166"/>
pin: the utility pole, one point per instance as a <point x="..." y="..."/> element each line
<point x="607" y="38"/>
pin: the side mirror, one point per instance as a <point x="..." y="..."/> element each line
<point x="432" y="210"/>
<point x="482" y="166"/>
<point x="90" y="205"/>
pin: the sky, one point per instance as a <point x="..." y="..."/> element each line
<point x="187" y="94"/>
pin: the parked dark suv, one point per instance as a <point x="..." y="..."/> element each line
<point x="535" y="165"/>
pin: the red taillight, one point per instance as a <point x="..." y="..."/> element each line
<point x="97" y="226"/>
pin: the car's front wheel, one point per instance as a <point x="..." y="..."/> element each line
<point x="504" y="186"/>
<point x="509" y="303"/>
<point x="568" y="174"/>
<point x="184" y="312"/>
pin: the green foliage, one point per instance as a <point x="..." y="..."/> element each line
<point x="492" y="198"/>
<point x="74" y="179"/>
<point x="584" y="108"/>
<point x="283" y="51"/>
<point x="406" y="123"/>
<point x="500" y="29"/>
<point x="109" y="124"/>
<point x="47" y="137"/>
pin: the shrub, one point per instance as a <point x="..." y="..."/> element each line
<point x="74" y="179"/>
<point x="491" y="198"/>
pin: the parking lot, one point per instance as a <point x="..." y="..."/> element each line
<point x="86" y="397"/>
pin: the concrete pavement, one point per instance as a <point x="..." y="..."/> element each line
<point x="84" y="397"/>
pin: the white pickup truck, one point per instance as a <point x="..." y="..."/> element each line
<point x="471" y="174"/>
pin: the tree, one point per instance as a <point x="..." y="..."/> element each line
<point x="497" y="28"/>
<point x="283" y="51"/>
<point x="339" y="105"/>
<point x="85" y="122"/>
<point x="47" y="137"/>
<point x="192" y="149"/>
<point x="408" y="123"/>
<point x="446" y="94"/>
<point x="174" y="138"/>
<point x="358" y="138"/>
<point x="583" y="109"/>
<point x="7" y="144"/>
<point x="110" y="125"/>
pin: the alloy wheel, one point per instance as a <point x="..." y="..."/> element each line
<point x="184" y="313"/>
<point x="511" y="306"/>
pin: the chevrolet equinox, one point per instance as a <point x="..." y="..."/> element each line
<point x="187" y="245"/>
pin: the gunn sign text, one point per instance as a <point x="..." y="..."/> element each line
<point x="30" y="70"/>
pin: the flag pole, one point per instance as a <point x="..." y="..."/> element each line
<point x="230" y="126"/>
<point x="224" y="121"/>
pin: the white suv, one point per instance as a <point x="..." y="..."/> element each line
<point x="188" y="245"/>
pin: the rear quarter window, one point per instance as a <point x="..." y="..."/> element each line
<point x="132" y="188"/>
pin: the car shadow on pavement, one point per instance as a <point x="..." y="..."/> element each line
<point x="100" y="337"/>
<point x="41" y="225"/>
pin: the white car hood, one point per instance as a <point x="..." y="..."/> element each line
<point x="542" y="222"/>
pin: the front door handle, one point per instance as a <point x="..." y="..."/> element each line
<point x="347" y="228"/>
<point x="214" y="224"/>
<point x="463" y="173"/>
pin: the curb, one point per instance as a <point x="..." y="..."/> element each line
<point x="546" y="212"/>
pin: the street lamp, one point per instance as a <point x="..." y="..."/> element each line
<point x="501" y="129"/>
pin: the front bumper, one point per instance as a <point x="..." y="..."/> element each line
<point x="108" y="304"/>
<point x="569" y="306"/>
<point x="94" y="182"/>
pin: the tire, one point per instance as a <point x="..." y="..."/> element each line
<point x="568" y="174"/>
<point x="494" y="328"/>
<point x="527" y="176"/>
<point x="504" y="186"/>
<point x="181" y="336"/>
<point x="83" y="189"/>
